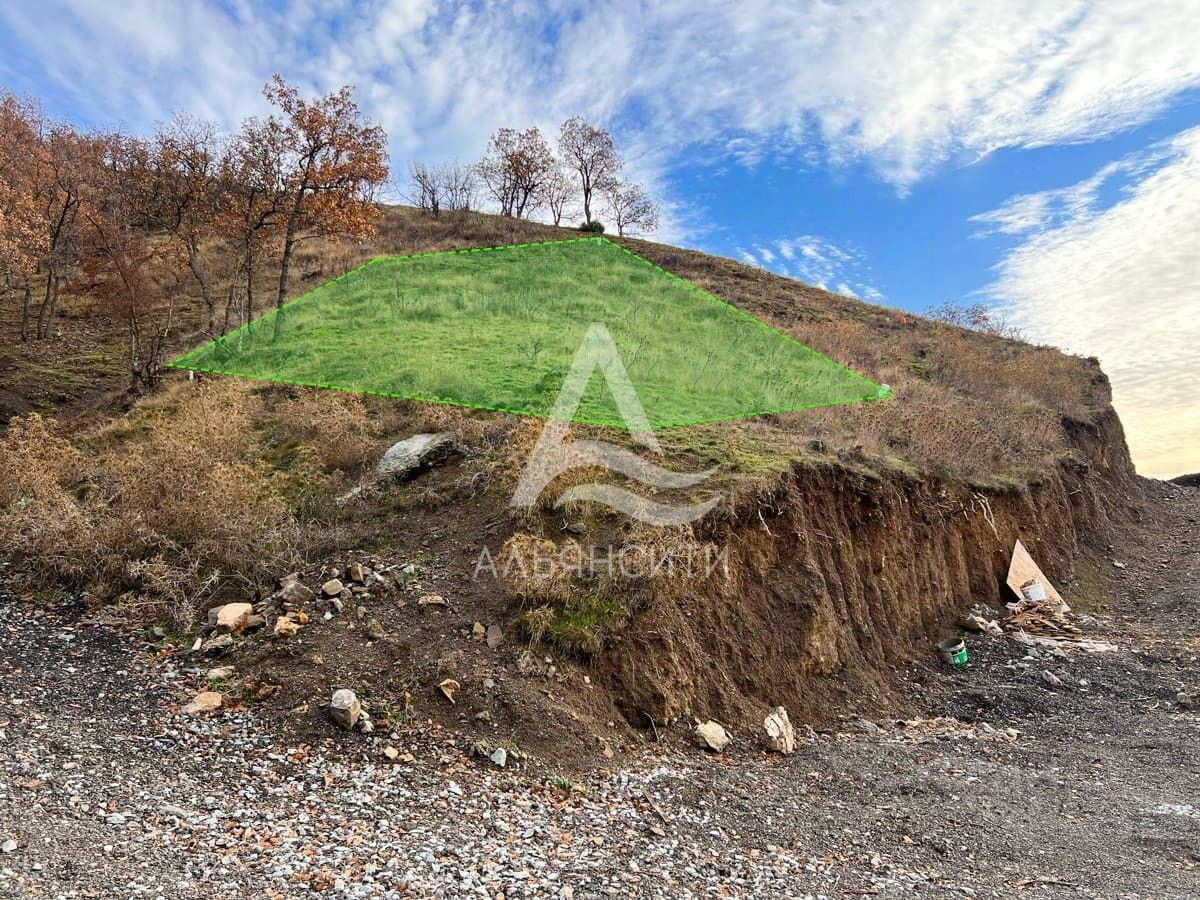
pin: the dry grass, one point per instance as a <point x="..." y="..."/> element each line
<point x="170" y="506"/>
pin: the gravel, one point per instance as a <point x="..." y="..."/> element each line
<point x="1086" y="789"/>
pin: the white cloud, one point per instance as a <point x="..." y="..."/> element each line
<point x="817" y="261"/>
<point x="906" y="87"/>
<point x="1121" y="282"/>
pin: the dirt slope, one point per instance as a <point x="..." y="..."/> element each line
<point x="853" y="535"/>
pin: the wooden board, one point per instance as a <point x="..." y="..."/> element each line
<point x="1023" y="569"/>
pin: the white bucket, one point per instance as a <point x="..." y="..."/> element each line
<point x="1033" y="591"/>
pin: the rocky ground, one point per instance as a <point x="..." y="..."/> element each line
<point x="1083" y="783"/>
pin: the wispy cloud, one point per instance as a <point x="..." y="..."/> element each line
<point x="819" y="262"/>
<point x="1120" y="282"/>
<point x="905" y="87"/>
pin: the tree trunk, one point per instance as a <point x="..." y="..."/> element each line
<point x="25" y="307"/>
<point x="46" y="314"/>
<point x="249" y="286"/>
<point x="289" y="242"/>
<point x="196" y="264"/>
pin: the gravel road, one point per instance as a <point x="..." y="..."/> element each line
<point x="1088" y="788"/>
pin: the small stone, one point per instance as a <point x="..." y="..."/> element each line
<point x="432" y="600"/>
<point x="374" y="630"/>
<point x="527" y="663"/>
<point x="478" y="632"/>
<point x="345" y="708"/>
<point x="450" y="663"/>
<point x="448" y="687"/>
<point x="391" y="753"/>
<point x="295" y="593"/>
<point x="204" y="702"/>
<point x="255" y="622"/>
<point x="356" y="572"/>
<point x="8" y="846"/>
<point x="779" y="736"/>
<point x="231" y="618"/>
<point x="495" y="636"/>
<point x="499" y="757"/>
<point x="1050" y="678"/>
<point x="711" y="736"/>
<point x="218" y="645"/>
<point x="220" y="673"/>
<point x="285" y="627"/>
<point x="117" y="819"/>
<point x="332" y="588"/>
<point x="1186" y="700"/>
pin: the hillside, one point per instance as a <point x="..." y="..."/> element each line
<point x="849" y="538"/>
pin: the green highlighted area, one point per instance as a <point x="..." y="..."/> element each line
<point x="500" y="329"/>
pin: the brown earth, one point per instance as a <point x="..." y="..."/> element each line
<point x="853" y="536"/>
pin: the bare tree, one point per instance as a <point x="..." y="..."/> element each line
<point x="593" y="156"/>
<point x="425" y="191"/>
<point x="460" y="187"/>
<point x="185" y="174"/>
<point x="515" y="169"/>
<point x="255" y="202"/>
<point x="450" y="186"/>
<point x="632" y="210"/>
<point x="977" y="317"/>
<point x="559" y="191"/>
<point x="60" y="187"/>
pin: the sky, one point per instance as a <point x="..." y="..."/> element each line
<point x="1039" y="157"/>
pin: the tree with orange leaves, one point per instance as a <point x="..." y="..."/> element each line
<point x="334" y="161"/>
<point x="133" y="269"/>
<point x="23" y="242"/>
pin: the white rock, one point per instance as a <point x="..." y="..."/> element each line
<point x="416" y="452"/>
<point x="204" y="702"/>
<point x="345" y="708"/>
<point x="779" y="736"/>
<point x="8" y="846"/>
<point x="332" y="587"/>
<point x="711" y="736"/>
<point x="232" y="617"/>
<point x="499" y="757"/>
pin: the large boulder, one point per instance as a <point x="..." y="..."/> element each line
<point x="415" y="453"/>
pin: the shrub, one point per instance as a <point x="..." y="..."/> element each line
<point x="592" y="227"/>
<point x="173" y="516"/>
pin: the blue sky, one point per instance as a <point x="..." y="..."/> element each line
<point x="1039" y="157"/>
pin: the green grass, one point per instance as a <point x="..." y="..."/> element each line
<point x="498" y="328"/>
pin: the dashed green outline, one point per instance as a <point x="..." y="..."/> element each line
<point x="180" y="362"/>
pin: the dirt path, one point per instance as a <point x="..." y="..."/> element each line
<point x="107" y="791"/>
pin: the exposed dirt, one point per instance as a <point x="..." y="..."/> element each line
<point x="108" y="792"/>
